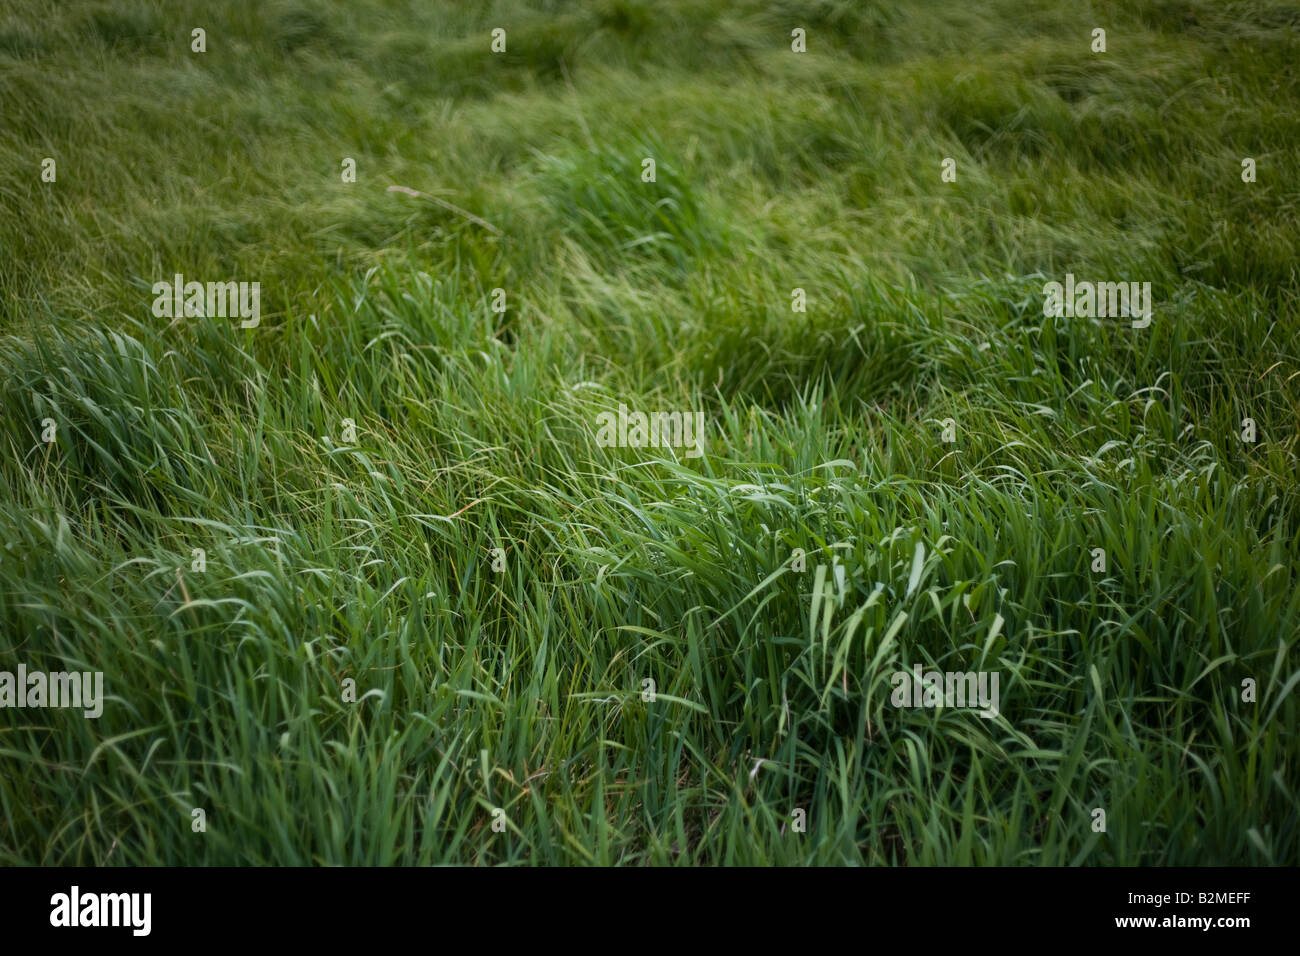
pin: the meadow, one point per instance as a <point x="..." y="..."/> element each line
<point x="363" y="584"/>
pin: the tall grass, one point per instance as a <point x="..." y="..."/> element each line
<point x="371" y="560"/>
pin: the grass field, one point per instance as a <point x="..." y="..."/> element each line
<point x="363" y="581"/>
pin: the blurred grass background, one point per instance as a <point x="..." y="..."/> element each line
<point x="371" y="560"/>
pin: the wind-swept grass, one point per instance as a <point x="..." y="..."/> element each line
<point x="825" y="540"/>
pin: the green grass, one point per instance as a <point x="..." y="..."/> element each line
<point x="371" y="560"/>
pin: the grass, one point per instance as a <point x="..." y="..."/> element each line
<point x="371" y="560"/>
